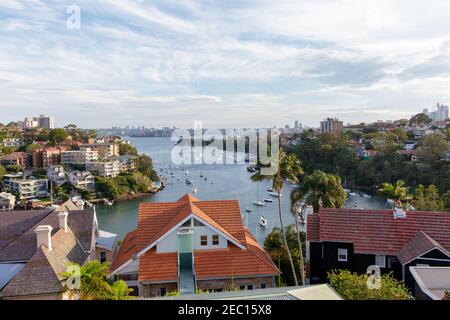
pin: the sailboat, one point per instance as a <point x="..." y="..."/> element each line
<point x="257" y="202"/>
<point x="248" y="208"/>
<point x="263" y="221"/>
<point x="275" y="194"/>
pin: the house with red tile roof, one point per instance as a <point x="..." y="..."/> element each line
<point x="191" y="245"/>
<point x="393" y="240"/>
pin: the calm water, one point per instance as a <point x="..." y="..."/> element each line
<point x="229" y="182"/>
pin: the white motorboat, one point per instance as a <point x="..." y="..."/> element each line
<point x="275" y="194"/>
<point x="347" y="190"/>
<point x="194" y="190"/>
<point x="367" y="196"/>
<point x="248" y="210"/>
<point x="354" y="194"/>
<point x="263" y="222"/>
<point x="258" y="203"/>
<point x="188" y="182"/>
<point x="268" y="200"/>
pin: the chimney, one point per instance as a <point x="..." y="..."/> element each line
<point x="62" y="217"/>
<point x="399" y="213"/>
<point x="44" y="236"/>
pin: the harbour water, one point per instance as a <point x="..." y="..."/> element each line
<point x="223" y="182"/>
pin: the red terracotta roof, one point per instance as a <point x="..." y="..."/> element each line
<point x="126" y="251"/>
<point x="158" y="267"/>
<point x="156" y="219"/>
<point x="420" y="244"/>
<point x="377" y="231"/>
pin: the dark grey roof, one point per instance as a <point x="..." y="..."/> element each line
<point x="14" y="223"/>
<point x="22" y="245"/>
<point x="43" y="272"/>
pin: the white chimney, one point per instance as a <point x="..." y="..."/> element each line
<point x="44" y="236"/>
<point x="62" y="217"/>
<point x="399" y="213"/>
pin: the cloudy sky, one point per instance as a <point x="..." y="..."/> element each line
<point x="227" y="63"/>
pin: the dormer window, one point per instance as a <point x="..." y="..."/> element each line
<point x="215" y="240"/>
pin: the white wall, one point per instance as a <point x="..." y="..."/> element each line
<point x="170" y="243"/>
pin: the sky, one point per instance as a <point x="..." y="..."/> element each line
<point x="227" y="63"/>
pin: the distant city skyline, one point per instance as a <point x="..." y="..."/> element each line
<point x="228" y="64"/>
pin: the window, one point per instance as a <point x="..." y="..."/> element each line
<point x="263" y="286"/>
<point x="342" y="255"/>
<point x="203" y="240"/>
<point x="102" y="256"/>
<point x="242" y="288"/>
<point x="215" y="240"/>
<point x="250" y="287"/>
<point x="198" y="223"/>
<point x="380" y="261"/>
<point x="162" y="292"/>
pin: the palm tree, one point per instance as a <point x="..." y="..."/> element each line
<point x="397" y="192"/>
<point x="94" y="282"/>
<point x="320" y="190"/>
<point x="288" y="168"/>
<point x="295" y="209"/>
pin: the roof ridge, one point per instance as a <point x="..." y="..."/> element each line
<point x="25" y="231"/>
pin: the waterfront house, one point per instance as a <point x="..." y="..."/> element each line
<point x="36" y="247"/>
<point x="57" y="175"/>
<point x="81" y="179"/>
<point x="191" y="244"/>
<point x="26" y="189"/>
<point x="107" y="169"/>
<point x="393" y="240"/>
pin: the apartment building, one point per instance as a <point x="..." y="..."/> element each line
<point x="47" y="156"/>
<point x="105" y="150"/>
<point x="57" y="175"/>
<point x="81" y="179"/>
<point x="79" y="156"/>
<point x="27" y="189"/>
<point x="331" y="125"/>
<point x="13" y="142"/>
<point x="108" y="169"/>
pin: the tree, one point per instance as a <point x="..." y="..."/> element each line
<point x="427" y="199"/>
<point x="397" y="192"/>
<point x="446" y="200"/>
<point x="273" y="245"/>
<point x="446" y="295"/>
<point x="144" y="165"/>
<point x="320" y="189"/>
<point x="433" y="147"/>
<point x="400" y="134"/>
<point x="95" y="284"/>
<point x="420" y="119"/>
<point x="127" y="149"/>
<point x="58" y="135"/>
<point x="2" y="171"/>
<point x="353" y="286"/>
<point x="287" y="168"/>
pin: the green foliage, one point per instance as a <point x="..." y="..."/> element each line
<point x="8" y="150"/>
<point x="125" y="183"/>
<point x="321" y="189"/>
<point x="95" y="284"/>
<point x="40" y="173"/>
<point x="420" y="119"/>
<point x="397" y="192"/>
<point x="14" y="168"/>
<point x="447" y="295"/>
<point x="428" y="199"/>
<point x="173" y="294"/>
<point x="57" y="136"/>
<point x="353" y="286"/>
<point x="433" y="147"/>
<point x="127" y="149"/>
<point x="31" y="147"/>
<point x="273" y="244"/>
<point x="2" y="171"/>
<point x="144" y="165"/>
<point x="44" y="135"/>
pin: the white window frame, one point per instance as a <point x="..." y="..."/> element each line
<point x="342" y="252"/>
<point x="378" y="257"/>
